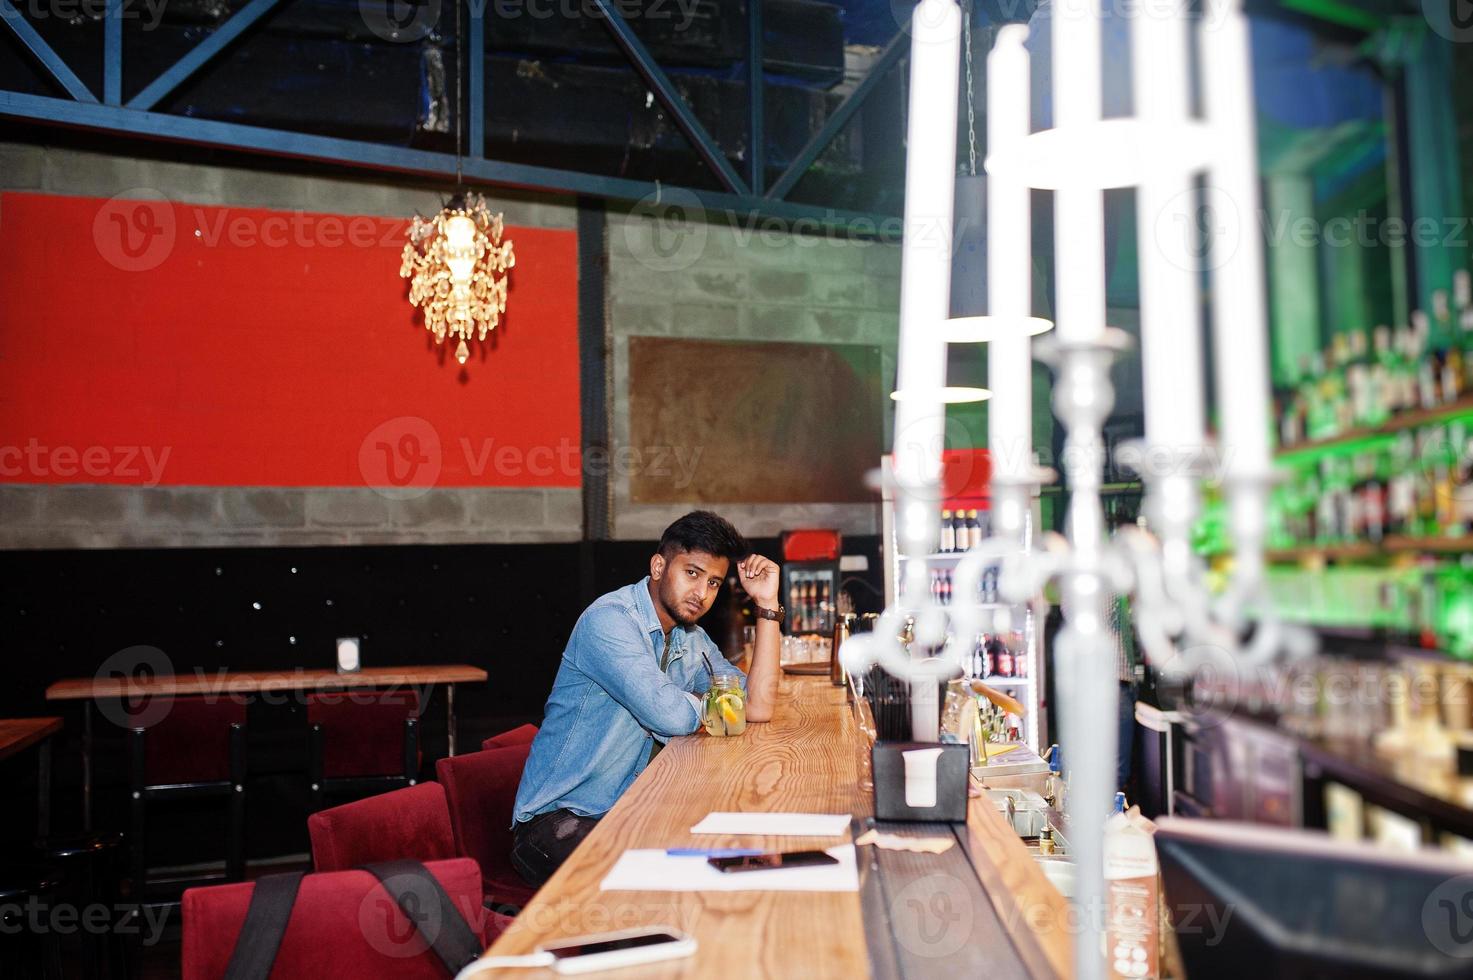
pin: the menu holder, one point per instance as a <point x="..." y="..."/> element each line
<point x="921" y="781"/>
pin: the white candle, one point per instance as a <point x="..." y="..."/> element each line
<point x="1009" y="266"/>
<point x="1079" y="217"/>
<point x="1171" y="341"/>
<point x="1240" y="332"/>
<point x="925" y="266"/>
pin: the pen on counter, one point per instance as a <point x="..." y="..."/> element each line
<point x="718" y="852"/>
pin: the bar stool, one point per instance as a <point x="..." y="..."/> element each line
<point x="27" y="943"/>
<point x="90" y="868"/>
<point x="189" y="748"/>
<point x="362" y="742"/>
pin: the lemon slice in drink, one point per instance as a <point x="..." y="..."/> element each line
<point x="728" y="703"/>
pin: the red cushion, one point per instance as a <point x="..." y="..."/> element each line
<point x="362" y="731"/>
<point x="521" y="735"/>
<point x="481" y="789"/>
<point x="407" y="823"/>
<point x="188" y="739"/>
<point x="343" y="925"/>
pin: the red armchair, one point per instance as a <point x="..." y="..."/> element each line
<point x="343" y="925"/>
<point x="521" y="735"/>
<point x="406" y="823"/>
<point x="481" y="788"/>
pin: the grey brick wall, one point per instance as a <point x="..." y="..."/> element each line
<point x="722" y="281"/>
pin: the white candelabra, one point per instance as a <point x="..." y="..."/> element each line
<point x="1159" y="151"/>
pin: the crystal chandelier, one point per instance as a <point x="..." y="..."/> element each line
<point x="457" y="265"/>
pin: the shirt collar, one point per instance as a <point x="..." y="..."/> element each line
<point x="645" y="607"/>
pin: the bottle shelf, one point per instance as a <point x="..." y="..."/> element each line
<point x="940" y="557"/>
<point x="1399" y="423"/>
<point x="1391" y="545"/>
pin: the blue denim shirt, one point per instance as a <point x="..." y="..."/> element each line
<point x="610" y="702"/>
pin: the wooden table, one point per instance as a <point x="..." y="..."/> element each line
<point x="223" y="683"/>
<point x="803" y="760"/>
<point x="19" y="734"/>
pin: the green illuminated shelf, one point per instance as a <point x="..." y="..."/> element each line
<point x="1357" y="439"/>
<point x="1393" y="545"/>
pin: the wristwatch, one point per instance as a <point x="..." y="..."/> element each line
<point x="776" y="615"/>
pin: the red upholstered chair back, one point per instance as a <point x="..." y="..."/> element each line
<point x="343" y="925"/>
<point x="521" y="735"/>
<point x="362" y="731"/>
<point x="188" y="739"/>
<point x="406" y="823"/>
<point x="481" y="788"/>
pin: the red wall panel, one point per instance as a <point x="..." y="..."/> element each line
<point x="150" y="342"/>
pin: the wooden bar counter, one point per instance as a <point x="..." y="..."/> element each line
<point x="804" y="760"/>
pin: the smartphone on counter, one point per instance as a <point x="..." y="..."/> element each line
<point x="770" y="862"/>
<point x="628" y="947"/>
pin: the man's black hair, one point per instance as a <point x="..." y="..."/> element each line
<point x="701" y="530"/>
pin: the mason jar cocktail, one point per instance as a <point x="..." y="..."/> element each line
<point x="726" y="708"/>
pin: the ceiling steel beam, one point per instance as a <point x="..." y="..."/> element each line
<point x="743" y="210"/>
<point x="659" y="83"/>
<point x="49" y="59"/>
<point x="898" y="45"/>
<point x="176" y="74"/>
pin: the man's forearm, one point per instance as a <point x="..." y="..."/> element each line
<point x="763" y="670"/>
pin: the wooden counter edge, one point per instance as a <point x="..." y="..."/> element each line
<point x="1033" y="912"/>
<point x="247" y="682"/>
<point x="32" y="730"/>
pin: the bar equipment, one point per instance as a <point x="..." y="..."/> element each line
<point x="1183" y="627"/>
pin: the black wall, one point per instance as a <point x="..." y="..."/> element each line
<point x="506" y="608"/>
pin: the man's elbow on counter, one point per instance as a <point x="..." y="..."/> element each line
<point x="758" y="714"/>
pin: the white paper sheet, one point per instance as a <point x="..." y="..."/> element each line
<point x="656" y="871"/>
<point x="774" y="824"/>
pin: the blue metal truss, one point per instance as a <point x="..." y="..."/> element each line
<point x="740" y="198"/>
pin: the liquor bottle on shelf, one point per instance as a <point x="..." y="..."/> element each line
<point x="1335" y="404"/>
<point x="948" y="533"/>
<point x="1444" y="470"/>
<point x="1404" y="380"/>
<point x="1463" y="311"/>
<point x="1358" y="381"/>
<point x="1374" y="507"/>
<point x="1002" y="659"/>
<point x="1401" y="498"/>
<point x="1423" y="366"/>
<point x="1383" y="398"/>
<point x="1450" y="354"/>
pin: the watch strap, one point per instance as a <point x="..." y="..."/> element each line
<point x="776" y="615"/>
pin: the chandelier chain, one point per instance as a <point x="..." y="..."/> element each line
<point x="971" y="100"/>
<point x="459" y="86"/>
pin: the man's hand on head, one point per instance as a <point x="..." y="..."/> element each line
<point x="761" y="578"/>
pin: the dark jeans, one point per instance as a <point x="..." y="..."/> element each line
<point x="542" y="844"/>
